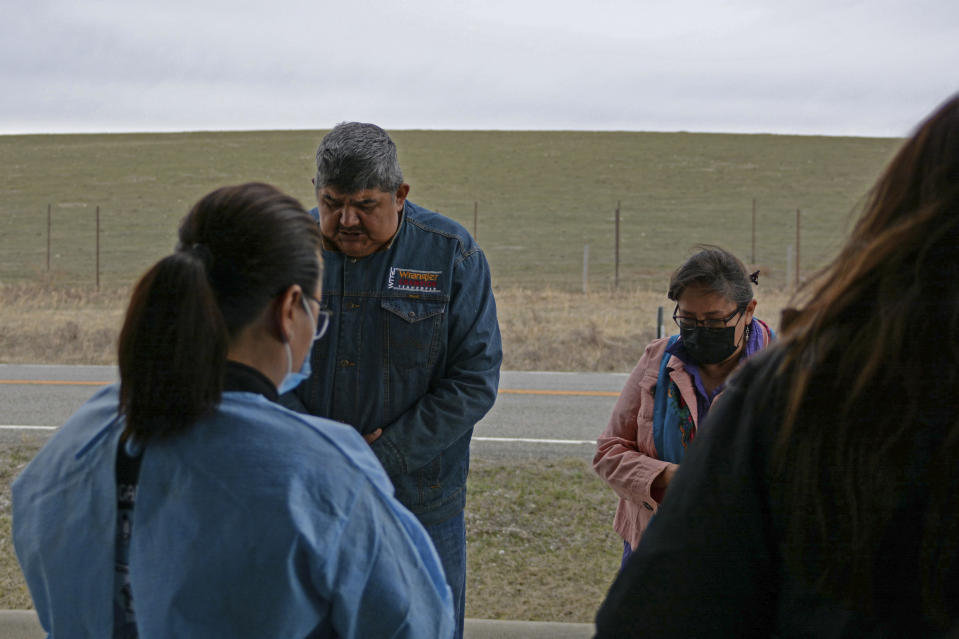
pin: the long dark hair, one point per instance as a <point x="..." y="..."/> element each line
<point x="872" y="359"/>
<point x="240" y="247"/>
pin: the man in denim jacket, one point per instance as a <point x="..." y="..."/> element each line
<point x="413" y="353"/>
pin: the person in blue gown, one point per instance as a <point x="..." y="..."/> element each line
<point x="184" y="501"/>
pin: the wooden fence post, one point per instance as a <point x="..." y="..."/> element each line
<point x="790" y="262"/>
<point x="585" y="269"/>
<point x="98" y="248"/>
<point x="49" y="224"/>
<point x="797" y="249"/>
<point x="616" y="274"/>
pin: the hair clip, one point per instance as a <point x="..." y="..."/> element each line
<point x="754" y="278"/>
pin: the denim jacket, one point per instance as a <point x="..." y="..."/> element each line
<point x="413" y="348"/>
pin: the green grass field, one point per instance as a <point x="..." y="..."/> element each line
<point x="541" y="196"/>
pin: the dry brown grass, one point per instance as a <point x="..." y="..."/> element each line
<point x="605" y="330"/>
<point x="543" y="329"/>
<point x="49" y="324"/>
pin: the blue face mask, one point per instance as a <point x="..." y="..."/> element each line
<point x="292" y="380"/>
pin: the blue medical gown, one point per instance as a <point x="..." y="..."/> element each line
<point x="257" y="522"/>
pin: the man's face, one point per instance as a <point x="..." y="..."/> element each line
<point x="360" y="223"/>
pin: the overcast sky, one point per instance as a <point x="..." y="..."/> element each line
<point x="834" y="67"/>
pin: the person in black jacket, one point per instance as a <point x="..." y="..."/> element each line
<point x="822" y="497"/>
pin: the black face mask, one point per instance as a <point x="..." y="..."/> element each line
<point x="709" y="345"/>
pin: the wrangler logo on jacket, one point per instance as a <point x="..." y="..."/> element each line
<point x="404" y="279"/>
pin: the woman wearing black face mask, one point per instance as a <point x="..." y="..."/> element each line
<point x="822" y="496"/>
<point x="675" y="383"/>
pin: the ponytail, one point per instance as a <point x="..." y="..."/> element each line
<point x="239" y="247"/>
<point x="172" y="348"/>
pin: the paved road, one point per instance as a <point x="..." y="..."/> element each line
<point x="536" y="415"/>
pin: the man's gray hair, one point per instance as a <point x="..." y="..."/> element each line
<point x="356" y="156"/>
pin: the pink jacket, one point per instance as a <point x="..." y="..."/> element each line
<point x="625" y="454"/>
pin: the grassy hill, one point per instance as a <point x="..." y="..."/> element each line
<point x="541" y="196"/>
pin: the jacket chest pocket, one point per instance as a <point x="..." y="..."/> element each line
<point x="412" y="331"/>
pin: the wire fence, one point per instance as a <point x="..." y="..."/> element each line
<point x="623" y="247"/>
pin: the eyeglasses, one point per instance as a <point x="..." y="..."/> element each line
<point x="683" y="321"/>
<point x="322" y="316"/>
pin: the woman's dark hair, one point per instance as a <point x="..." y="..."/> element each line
<point x="240" y="247"/>
<point x="871" y="354"/>
<point x="716" y="270"/>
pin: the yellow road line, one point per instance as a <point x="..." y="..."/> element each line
<point x="50" y="382"/>
<point x="503" y="391"/>
<point x="522" y="391"/>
